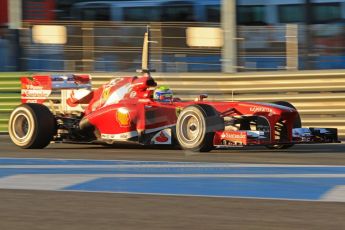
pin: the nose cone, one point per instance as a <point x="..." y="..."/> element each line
<point x="283" y="108"/>
<point x="268" y="108"/>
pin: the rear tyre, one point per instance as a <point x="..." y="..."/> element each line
<point x="297" y="124"/>
<point x="196" y="126"/>
<point x="31" y="126"/>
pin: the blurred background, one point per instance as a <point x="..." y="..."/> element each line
<point x="250" y="50"/>
<point x="189" y="35"/>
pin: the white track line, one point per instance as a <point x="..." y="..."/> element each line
<point x="335" y="194"/>
<point x="129" y="175"/>
<point x="42" y="182"/>
<point x="207" y="165"/>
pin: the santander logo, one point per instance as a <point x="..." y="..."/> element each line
<point x="228" y="135"/>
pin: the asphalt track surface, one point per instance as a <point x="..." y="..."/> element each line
<point x="29" y="209"/>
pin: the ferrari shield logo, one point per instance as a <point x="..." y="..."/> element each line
<point x="105" y="94"/>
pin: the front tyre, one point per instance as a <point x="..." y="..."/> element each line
<point x="31" y="126"/>
<point x="196" y="126"/>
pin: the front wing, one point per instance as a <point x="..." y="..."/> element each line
<point x="223" y="139"/>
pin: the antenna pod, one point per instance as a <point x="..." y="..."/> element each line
<point x="145" y="55"/>
<point x="145" y="61"/>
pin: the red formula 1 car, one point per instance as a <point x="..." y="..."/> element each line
<point x="125" y="110"/>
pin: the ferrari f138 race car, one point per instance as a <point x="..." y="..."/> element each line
<point x="127" y="109"/>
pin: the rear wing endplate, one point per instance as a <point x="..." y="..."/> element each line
<point x="39" y="87"/>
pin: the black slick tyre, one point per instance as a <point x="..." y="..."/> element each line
<point x="31" y="126"/>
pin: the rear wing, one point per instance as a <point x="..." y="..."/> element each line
<point x="40" y="87"/>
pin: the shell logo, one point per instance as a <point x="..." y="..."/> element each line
<point x="122" y="116"/>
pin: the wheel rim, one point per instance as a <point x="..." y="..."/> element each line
<point x="21" y="127"/>
<point x="191" y="128"/>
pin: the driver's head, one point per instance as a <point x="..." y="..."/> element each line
<point x="163" y="94"/>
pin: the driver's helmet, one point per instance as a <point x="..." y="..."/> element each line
<point x="163" y="94"/>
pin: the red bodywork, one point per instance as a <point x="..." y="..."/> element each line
<point x="124" y="110"/>
<point x="3" y="12"/>
<point x="131" y="98"/>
